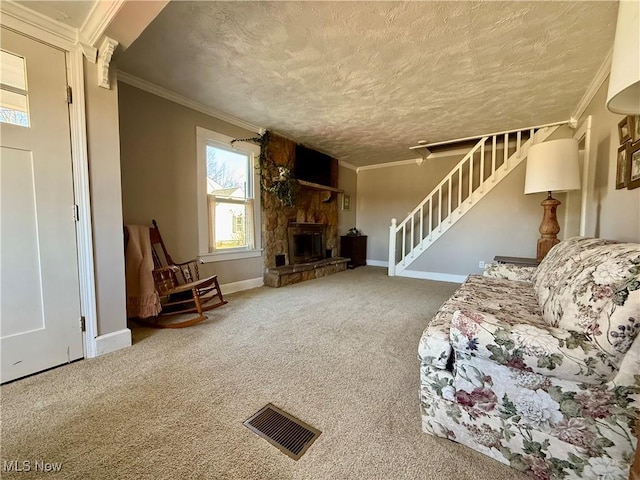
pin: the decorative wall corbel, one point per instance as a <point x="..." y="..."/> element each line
<point x="105" y="52"/>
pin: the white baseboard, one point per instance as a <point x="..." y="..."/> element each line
<point x="113" y="341"/>
<point x="440" y="277"/>
<point x="378" y="263"/>
<point x="234" y="287"/>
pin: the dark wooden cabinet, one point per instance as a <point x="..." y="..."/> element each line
<point x="355" y="248"/>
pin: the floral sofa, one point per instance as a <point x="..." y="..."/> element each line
<point x="539" y="368"/>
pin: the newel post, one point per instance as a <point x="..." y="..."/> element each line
<point x="392" y="248"/>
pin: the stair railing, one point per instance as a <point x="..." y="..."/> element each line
<point x="470" y="180"/>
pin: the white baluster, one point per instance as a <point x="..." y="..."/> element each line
<point x="440" y="209"/>
<point x="449" y="200"/>
<point x="506" y="151"/>
<point x="412" y="233"/>
<point x="460" y="189"/>
<point x="470" y="177"/>
<point x="393" y="231"/>
<point x="518" y="142"/>
<point x="430" y="216"/>
<point x="404" y="242"/>
<point x="421" y="225"/>
<point x="493" y="159"/>
<point x="481" y="182"/>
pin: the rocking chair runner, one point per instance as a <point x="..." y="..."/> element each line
<point x="180" y="287"/>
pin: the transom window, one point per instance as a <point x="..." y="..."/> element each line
<point x="228" y="200"/>
<point x="14" y="107"/>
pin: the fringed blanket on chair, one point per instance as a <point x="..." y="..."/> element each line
<point x="142" y="298"/>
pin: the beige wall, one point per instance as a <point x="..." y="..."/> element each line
<point x="158" y="157"/>
<point x="347" y="181"/>
<point x="617" y="212"/>
<point x="505" y="222"/>
<point x="384" y="193"/>
<point x="106" y="203"/>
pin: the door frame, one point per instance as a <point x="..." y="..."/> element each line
<point x="583" y="132"/>
<point x="26" y="22"/>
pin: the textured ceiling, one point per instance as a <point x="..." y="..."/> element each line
<point x="363" y="81"/>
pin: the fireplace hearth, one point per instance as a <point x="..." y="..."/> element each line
<point x="306" y="242"/>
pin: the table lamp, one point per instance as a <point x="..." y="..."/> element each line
<point x="623" y="95"/>
<point x="551" y="167"/>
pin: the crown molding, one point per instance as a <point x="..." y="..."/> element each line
<point x="390" y="164"/>
<point x="592" y="89"/>
<point x="348" y="165"/>
<point x="37" y="25"/>
<point x="184" y="101"/>
<point x="98" y="20"/>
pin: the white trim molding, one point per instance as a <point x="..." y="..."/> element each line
<point x="104" y="59"/>
<point x="377" y="263"/>
<point x="98" y="20"/>
<point x="113" y="341"/>
<point x="184" y="101"/>
<point x="436" y="276"/>
<point x="348" y="165"/>
<point x="37" y="25"/>
<point x="594" y="86"/>
<point x="233" y="287"/>
<point x="82" y="196"/>
<point x="412" y="161"/>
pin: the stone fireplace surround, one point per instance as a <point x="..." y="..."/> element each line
<point x="313" y="207"/>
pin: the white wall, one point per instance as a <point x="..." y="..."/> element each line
<point x="103" y="144"/>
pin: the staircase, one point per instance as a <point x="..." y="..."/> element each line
<point x="488" y="162"/>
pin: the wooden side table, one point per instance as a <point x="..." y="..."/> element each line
<point x="355" y="248"/>
<point x="520" y="261"/>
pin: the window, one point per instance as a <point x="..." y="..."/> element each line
<point x="13" y="90"/>
<point x="228" y="198"/>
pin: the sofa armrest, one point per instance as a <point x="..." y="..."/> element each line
<point x="509" y="271"/>
<point x="435" y="347"/>
<point x="564" y="354"/>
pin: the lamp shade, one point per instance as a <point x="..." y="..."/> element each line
<point x="624" y="82"/>
<point x="553" y="167"/>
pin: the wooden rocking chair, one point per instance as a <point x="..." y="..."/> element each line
<point x="180" y="287"/>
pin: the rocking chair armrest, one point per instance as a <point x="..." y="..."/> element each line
<point x="182" y="264"/>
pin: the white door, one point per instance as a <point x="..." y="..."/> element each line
<point x="39" y="289"/>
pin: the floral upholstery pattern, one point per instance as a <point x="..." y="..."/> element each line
<point x="509" y="271"/>
<point x="554" y="396"/>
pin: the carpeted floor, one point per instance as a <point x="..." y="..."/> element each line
<point x="338" y="352"/>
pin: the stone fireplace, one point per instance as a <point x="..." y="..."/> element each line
<point x="300" y="242"/>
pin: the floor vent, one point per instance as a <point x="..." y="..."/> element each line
<point x="285" y="432"/>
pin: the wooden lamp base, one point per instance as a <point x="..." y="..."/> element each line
<point x="549" y="228"/>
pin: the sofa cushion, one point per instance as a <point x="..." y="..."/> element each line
<point x="595" y="290"/>
<point x="503" y="298"/>
<point x="533" y="347"/>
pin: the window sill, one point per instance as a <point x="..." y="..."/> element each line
<point x="235" y="255"/>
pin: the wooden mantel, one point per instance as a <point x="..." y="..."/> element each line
<point x="317" y="186"/>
